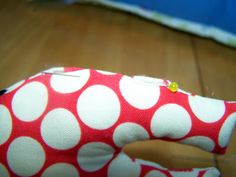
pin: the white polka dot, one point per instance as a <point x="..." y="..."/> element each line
<point x="61" y="170"/>
<point x="69" y="82"/>
<point x="155" y="173"/>
<point x="139" y="94"/>
<point x="211" y="172"/>
<point x="123" y="166"/>
<point x="25" y="156"/>
<point x="98" y="107"/>
<point x="3" y="171"/>
<point x="193" y="173"/>
<point x="60" y="129"/>
<point x="5" y="124"/>
<point x="94" y="156"/>
<point x="30" y="101"/>
<point x="171" y="120"/>
<point x="105" y="72"/>
<point x="129" y="132"/>
<point x="226" y="130"/>
<point x="15" y="86"/>
<point x="207" y="109"/>
<point x="202" y="142"/>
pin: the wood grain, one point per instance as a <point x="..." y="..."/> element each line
<point x="217" y="65"/>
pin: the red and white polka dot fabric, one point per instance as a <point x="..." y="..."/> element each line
<point x="73" y="122"/>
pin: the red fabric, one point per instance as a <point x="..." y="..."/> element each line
<point x="128" y="113"/>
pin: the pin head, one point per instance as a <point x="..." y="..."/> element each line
<point x="173" y="87"/>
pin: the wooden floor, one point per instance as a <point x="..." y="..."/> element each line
<point x="34" y="37"/>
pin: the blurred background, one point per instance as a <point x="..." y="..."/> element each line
<point x="38" y="35"/>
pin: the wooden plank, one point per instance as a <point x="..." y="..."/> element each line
<point x="169" y="154"/>
<point x="217" y="65"/>
<point x="96" y="37"/>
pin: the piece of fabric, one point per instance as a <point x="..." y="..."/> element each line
<point x="213" y="19"/>
<point x="71" y="122"/>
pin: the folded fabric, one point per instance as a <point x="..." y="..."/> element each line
<point x="71" y="122"/>
<point x="206" y="18"/>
